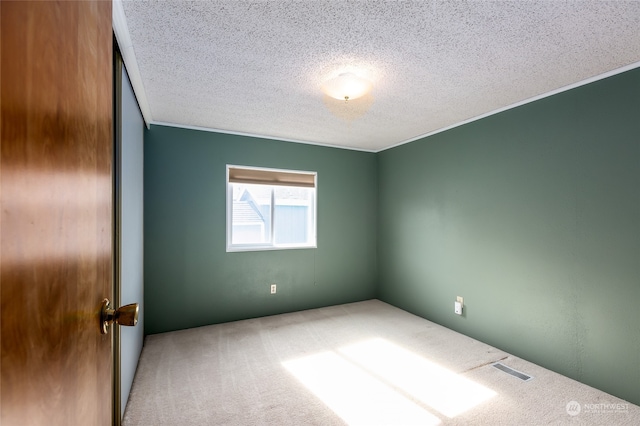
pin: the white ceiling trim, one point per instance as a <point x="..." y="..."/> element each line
<point x="121" y="30"/>
<point x="497" y="111"/>
<point x="526" y="101"/>
<point x="274" y="138"/>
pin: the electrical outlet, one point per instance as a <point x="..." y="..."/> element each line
<point x="273" y="289"/>
<point x="458" y="305"/>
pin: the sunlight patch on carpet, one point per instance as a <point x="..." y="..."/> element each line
<point x="426" y="381"/>
<point x="354" y="395"/>
<point x="376" y="382"/>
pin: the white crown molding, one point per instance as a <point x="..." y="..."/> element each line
<point x="444" y="129"/>
<point x="526" y="101"/>
<point x="496" y="111"/>
<point x="121" y="30"/>
<point x="252" y="135"/>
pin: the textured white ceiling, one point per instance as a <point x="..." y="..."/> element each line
<point x="257" y="67"/>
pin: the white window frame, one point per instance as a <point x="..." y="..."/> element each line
<point x="271" y="245"/>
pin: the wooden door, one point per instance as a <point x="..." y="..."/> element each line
<point x="57" y="212"/>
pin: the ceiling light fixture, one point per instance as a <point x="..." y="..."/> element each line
<point x="346" y="86"/>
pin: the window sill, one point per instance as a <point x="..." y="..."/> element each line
<point x="233" y="249"/>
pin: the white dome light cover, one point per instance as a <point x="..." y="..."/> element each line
<point x="346" y="86"/>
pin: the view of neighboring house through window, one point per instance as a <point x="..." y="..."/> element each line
<point x="270" y="209"/>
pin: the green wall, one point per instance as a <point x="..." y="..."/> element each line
<point x="533" y="216"/>
<point x="190" y="279"/>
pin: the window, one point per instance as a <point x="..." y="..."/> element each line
<point x="269" y="209"/>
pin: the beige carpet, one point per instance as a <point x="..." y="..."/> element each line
<point x="363" y="363"/>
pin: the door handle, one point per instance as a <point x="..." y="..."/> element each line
<point x="124" y="315"/>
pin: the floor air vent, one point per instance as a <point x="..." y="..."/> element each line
<point x="515" y="373"/>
